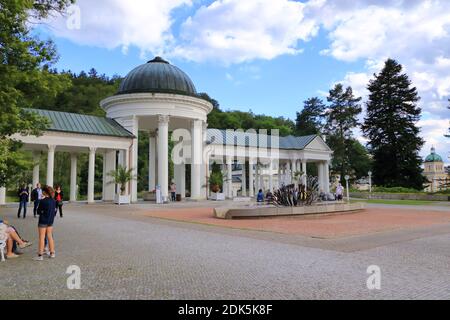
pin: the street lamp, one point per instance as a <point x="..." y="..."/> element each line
<point x="346" y="185"/>
<point x="370" y="182"/>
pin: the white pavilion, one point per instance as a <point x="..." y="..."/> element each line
<point x="161" y="99"/>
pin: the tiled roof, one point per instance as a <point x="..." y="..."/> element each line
<point x="84" y="124"/>
<point x="218" y="136"/>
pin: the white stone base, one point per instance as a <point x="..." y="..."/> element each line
<point x="217" y="196"/>
<point x="242" y="199"/>
<point x="119" y="199"/>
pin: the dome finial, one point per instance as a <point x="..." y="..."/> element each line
<point x="433" y="150"/>
<point x="158" y="59"/>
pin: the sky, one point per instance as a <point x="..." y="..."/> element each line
<point x="269" y="56"/>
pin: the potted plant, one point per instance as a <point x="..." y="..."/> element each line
<point x="121" y="176"/>
<point x="216" y="183"/>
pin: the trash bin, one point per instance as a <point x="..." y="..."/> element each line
<point x="178" y="197"/>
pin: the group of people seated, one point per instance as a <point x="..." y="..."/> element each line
<point x="337" y="196"/>
<point x="11" y="237"/>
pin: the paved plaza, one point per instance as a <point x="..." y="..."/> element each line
<point x="135" y="252"/>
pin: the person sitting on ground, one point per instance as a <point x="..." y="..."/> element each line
<point x="260" y="196"/>
<point x="9" y="234"/>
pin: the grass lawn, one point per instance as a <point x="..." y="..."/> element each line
<point x="399" y="202"/>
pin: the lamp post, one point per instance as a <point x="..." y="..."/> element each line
<point x="370" y="183"/>
<point x="346" y="185"/>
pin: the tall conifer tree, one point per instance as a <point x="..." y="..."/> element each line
<point x="390" y="126"/>
<point x="341" y="119"/>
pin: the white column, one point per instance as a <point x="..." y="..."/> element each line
<point x="294" y="169"/>
<point x="196" y="158"/>
<point x="109" y="191"/>
<point x="327" y="177"/>
<point x="279" y="174"/>
<point x="104" y="175"/>
<point x="207" y="174"/>
<point x="73" y="177"/>
<point x="152" y="162"/>
<point x="2" y="196"/>
<point x="182" y="185"/>
<point x="305" y="174"/>
<point x="320" y="175"/>
<point x="244" y="179"/>
<point x="134" y="161"/>
<point x="229" y="177"/>
<point x="50" y="164"/>
<point x="288" y="172"/>
<point x="91" y="175"/>
<point x="251" y="187"/>
<point x="180" y="179"/>
<point x="36" y="162"/>
<point x="270" y="176"/>
<point x="163" y="155"/>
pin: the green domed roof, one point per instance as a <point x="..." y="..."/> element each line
<point x="433" y="157"/>
<point x="157" y="76"/>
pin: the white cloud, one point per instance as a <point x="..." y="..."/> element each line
<point x="145" y="24"/>
<point x="233" y="31"/>
<point x="416" y="33"/>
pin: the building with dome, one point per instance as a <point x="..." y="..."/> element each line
<point x="159" y="98"/>
<point x="435" y="173"/>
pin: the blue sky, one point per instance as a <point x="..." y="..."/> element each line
<point x="268" y="55"/>
<point x="274" y="87"/>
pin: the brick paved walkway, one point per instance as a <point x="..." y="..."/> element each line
<point x="330" y="226"/>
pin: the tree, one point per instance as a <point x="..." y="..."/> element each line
<point x="341" y="119"/>
<point x="121" y="176"/>
<point x="359" y="159"/>
<point x="390" y="126"/>
<point x="25" y="76"/>
<point x="309" y="120"/>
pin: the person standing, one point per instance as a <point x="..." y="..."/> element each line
<point x="47" y="212"/>
<point x="36" y="197"/>
<point x="23" y="201"/>
<point x="339" y="192"/>
<point x="173" y="191"/>
<point x="59" y="197"/>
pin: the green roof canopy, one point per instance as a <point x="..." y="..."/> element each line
<point x="433" y="157"/>
<point x="83" y="124"/>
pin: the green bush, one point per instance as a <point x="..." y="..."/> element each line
<point x="395" y="190"/>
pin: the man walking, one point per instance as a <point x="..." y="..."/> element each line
<point x="36" y="196"/>
<point x="23" y="201"/>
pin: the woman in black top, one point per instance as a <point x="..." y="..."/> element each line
<point x="59" y="197"/>
<point x="47" y="212"/>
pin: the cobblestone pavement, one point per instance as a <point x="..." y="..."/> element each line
<point x="125" y="255"/>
